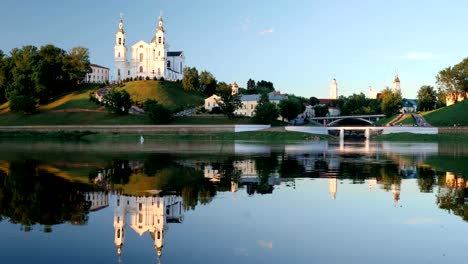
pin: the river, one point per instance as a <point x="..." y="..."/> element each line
<point x="242" y="202"/>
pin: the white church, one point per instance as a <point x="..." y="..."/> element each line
<point x="153" y="60"/>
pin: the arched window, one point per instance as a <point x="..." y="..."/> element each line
<point x="141" y="57"/>
<point x="118" y="72"/>
<point x="168" y="64"/>
<point x="141" y="68"/>
<point x="119" y="54"/>
<point x="118" y="233"/>
<point x="159" y="40"/>
<point x="159" y="53"/>
<point x="159" y="71"/>
<point x="120" y="41"/>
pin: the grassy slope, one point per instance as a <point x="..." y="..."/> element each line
<point x="170" y="94"/>
<point x="386" y="120"/>
<point x="448" y="116"/>
<point x="51" y="114"/>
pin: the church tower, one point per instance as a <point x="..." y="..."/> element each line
<point x="119" y="223"/>
<point x="120" y="52"/>
<point x="334" y="90"/>
<point x="396" y="84"/>
<point x="160" y="50"/>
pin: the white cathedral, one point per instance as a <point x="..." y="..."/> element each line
<point x="153" y="60"/>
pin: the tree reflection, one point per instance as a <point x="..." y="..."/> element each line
<point x="426" y="179"/>
<point x="30" y="195"/>
<point x="452" y="195"/>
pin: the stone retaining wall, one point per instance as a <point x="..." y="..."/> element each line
<point x="138" y="129"/>
<point x="453" y="130"/>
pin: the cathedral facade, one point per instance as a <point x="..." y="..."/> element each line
<point x="152" y="60"/>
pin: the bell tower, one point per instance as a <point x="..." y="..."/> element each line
<point x="120" y="52"/>
<point x="161" y="48"/>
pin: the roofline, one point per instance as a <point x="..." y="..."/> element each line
<point x="98" y="66"/>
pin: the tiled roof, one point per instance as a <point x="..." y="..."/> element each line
<point x="98" y="66"/>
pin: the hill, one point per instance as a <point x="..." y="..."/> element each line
<point x="170" y="94"/>
<point x="449" y="116"/>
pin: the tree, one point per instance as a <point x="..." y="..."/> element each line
<point x="158" y="113"/>
<point x="23" y="61"/>
<point x="118" y="102"/>
<point x="391" y="102"/>
<point x="314" y="101"/>
<point x="49" y="74"/>
<point x="441" y="98"/>
<point x="427" y="98"/>
<point x="251" y="84"/>
<point x="266" y="85"/>
<point x="23" y="103"/>
<point x="229" y="102"/>
<point x="289" y="108"/>
<point x="207" y="83"/>
<point x="77" y="65"/>
<point x="3" y="75"/>
<point x="191" y="80"/>
<point x="320" y="110"/>
<point x="265" y="111"/>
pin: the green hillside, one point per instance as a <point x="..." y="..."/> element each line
<point x="456" y="114"/>
<point x="170" y="94"/>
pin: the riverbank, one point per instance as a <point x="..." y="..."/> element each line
<point x="454" y="136"/>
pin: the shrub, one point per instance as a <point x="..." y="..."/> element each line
<point x="216" y="110"/>
<point x="157" y="112"/>
<point x="23" y="103"/>
<point x="147" y="78"/>
<point x="118" y="102"/>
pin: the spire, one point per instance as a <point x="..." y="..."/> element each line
<point x="121" y="28"/>
<point x="160" y="22"/>
<point x="397" y="79"/>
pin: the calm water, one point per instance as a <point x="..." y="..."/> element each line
<point x="232" y="203"/>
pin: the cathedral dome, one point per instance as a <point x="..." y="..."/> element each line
<point x="153" y="40"/>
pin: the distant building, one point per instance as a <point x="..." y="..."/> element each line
<point x="98" y="200"/>
<point x="98" y="74"/>
<point x="334" y="90"/>
<point x="250" y="101"/>
<point x="396" y="84"/>
<point x="409" y="106"/>
<point x="210" y="102"/>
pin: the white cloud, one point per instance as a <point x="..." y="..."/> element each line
<point x="418" y="56"/>
<point x="265" y="244"/>
<point x="267" y="31"/>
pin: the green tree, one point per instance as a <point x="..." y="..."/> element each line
<point x="191" y="80"/>
<point x="441" y="98"/>
<point x="77" y="65"/>
<point x="320" y="110"/>
<point x="289" y="108"/>
<point x="23" y="61"/>
<point x="314" y="101"/>
<point x="266" y="85"/>
<point x="251" y="84"/>
<point x="265" y="111"/>
<point x="23" y="103"/>
<point x="157" y="112"/>
<point x="207" y="83"/>
<point x="391" y="102"/>
<point x="3" y="75"/>
<point x="118" y="102"/>
<point x="229" y="102"/>
<point x="427" y="98"/>
<point x="49" y="74"/>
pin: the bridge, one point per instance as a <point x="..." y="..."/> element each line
<point x="334" y="120"/>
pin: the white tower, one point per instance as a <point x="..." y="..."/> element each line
<point x="334" y="89"/>
<point x="234" y="88"/>
<point x="333" y="188"/>
<point x="160" y="49"/>
<point x="396" y="84"/>
<point x="119" y="223"/>
<point x="120" y="52"/>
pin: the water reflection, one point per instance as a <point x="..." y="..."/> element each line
<point x="147" y="191"/>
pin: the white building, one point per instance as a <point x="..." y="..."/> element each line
<point x="210" y="102"/>
<point x="250" y="101"/>
<point x="147" y="59"/>
<point x="98" y="200"/>
<point x="334" y="90"/>
<point x="98" y="74"/>
<point x="146" y="214"/>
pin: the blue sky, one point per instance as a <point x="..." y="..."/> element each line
<point x="298" y="45"/>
